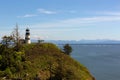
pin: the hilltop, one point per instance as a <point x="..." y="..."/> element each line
<point x="45" y="61"/>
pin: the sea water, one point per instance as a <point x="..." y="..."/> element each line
<point x="103" y="61"/>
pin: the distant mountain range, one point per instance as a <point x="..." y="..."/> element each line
<point x="82" y="41"/>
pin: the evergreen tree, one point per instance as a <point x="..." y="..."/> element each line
<point x="67" y="49"/>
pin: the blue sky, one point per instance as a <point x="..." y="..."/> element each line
<point x="62" y="19"/>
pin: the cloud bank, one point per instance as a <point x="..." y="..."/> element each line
<point x="77" y="22"/>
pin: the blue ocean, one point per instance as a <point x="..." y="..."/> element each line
<point x="103" y="61"/>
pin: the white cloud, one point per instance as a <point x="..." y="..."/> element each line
<point x="77" y="22"/>
<point x="44" y="11"/>
<point x="92" y="19"/>
<point x="27" y="16"/>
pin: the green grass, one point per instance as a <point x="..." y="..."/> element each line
<point x="48" y="62"/>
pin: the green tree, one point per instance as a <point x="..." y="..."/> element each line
<point x="14" y="38"/>
<point x="67" y="49"/>
<point x="6" y="40"/>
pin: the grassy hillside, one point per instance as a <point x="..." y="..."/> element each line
<point x="47" y="62"/>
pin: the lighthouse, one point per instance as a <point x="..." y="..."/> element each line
<point x="27" y="36"/>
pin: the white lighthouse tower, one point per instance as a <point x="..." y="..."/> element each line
<point x="27" y="36"/>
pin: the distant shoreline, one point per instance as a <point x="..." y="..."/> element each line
<point x="90" y="44"/>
